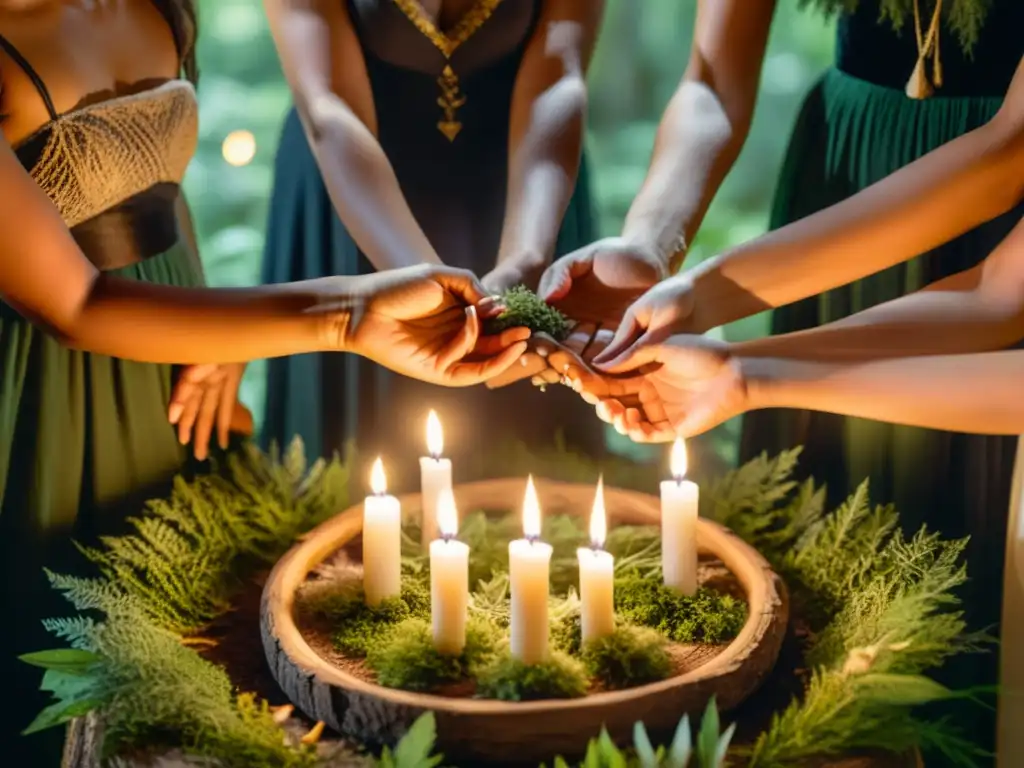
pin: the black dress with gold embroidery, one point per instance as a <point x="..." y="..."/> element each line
<point x="450" y="156"/>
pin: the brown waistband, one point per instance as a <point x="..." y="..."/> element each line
<point x="141" y="227"/>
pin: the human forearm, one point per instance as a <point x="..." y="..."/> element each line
<point x="542" y="174"/>
<point x="162" y="324"/>
<point x="704" y="126"/>
<point x="546" y="129"/>
<point x="924" y="323"/>
<point x="363" y="187"/>
<point x="696" y="146"/>
<point x="322" y="59"/>
<point x="929" y="202"/>
<point x="961" y="393"/>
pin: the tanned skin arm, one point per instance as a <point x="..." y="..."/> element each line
<point x="960" y="393"/>
<point x="942" y="195"/>
<point x="45" y="276"/>
<point x="324" y="66"/>
<point x="704" y="126"/>
<point x="975" y="311"/>
<point x="546" y="130"/>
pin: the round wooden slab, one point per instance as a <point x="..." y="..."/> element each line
<point x="520" y="732"/>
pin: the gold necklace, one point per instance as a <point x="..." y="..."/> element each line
<point x="451" y="98"/>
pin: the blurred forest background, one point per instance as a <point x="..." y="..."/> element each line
<point x="640" y="57"/>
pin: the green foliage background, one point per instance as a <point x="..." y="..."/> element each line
<point x="642" y="52"/>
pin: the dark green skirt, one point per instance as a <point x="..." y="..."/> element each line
<point x="84" y="440"/>
<point x="850" y="135"/>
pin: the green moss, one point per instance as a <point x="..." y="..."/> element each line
<point x="523" y="307"/>
<point x="627" y="657"/>
<point x="567" y="633"/>
<point x="707" y="617"/>
<point x="508" y="679"/>
<point x="405" y="658"/>
<point x="360" y="627"/>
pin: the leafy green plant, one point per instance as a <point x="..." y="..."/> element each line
<point x="525" y="308"/>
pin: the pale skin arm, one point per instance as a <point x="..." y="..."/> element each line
<point x="704" y="126"/>
<point x="323" y="63"/>
<point x="546" y="131"/>
<point x="929" y="202"/>
<point x="962" y="393"/>
<point x="975" y="311"/>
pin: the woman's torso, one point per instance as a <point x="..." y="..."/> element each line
<point x="455" y="187"/>
<point x="112" y="161"/>
<point x="870" y="49"/>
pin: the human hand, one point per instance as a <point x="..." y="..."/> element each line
<point x="205" y="398"/>
<point x="598" y="283"/>
<point x="425" y="322"/>
<point x="683" y="386"/>
<point x="510" y="272"/>
<point x="666" y="309"/>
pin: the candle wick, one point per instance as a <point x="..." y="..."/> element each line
<point x="446" y="537"/>
<point x="436" y="457"/>
<point x="532" y="538"/>
<point x="679" y="480"/>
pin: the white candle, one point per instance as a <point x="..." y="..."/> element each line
<point x="435" y="479"/>
<point x="679" y="525"/>
<point x="382" y="540"/>
<point x="449" y="580"/>
<point x="529" y="563"/>
<point x="597" y="569"/>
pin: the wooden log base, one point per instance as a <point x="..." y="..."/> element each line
<point x="518" y="732"/>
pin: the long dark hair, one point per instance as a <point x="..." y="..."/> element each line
<point x="181" y="15"/>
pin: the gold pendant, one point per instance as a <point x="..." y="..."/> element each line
<point x="450" y="101"/>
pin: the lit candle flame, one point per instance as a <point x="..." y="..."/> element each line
<point x="598" y="518"/>
<point x="435" y="436"/>
<point x="378" y="480"/>
<point x="531" y="511"/>
<point x="678" y="460"/>
<point x="447" y="514"/>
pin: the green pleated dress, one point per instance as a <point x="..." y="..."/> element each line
<point x="84" y="438"/>
<point x="857" y="126"/>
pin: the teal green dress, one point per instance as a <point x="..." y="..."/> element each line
<point x="858" y="126"/>
<point x="84" y="438"/>
<point x="456" y="191"/>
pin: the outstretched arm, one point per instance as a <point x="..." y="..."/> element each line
<point x="421" y="321"/>
<point x="929" y="202"/>
<point x="975" y="311"/>
<point x="704" y="126"/>
<point x="961" y="393"/>
<point x="324" y="66"/>
<point x="546" y="128"/>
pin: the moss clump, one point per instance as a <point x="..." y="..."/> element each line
<point x="405" y="658"/>
<point x="508" y="679"/>
<point x="567" y="633"/>
<point x="627" y="657"/>
<point x="707" y="617"/>
<point x="360" y="626"/>
<point x="524" y="308"/>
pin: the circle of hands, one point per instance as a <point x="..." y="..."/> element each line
<point x="426" y="322"/>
